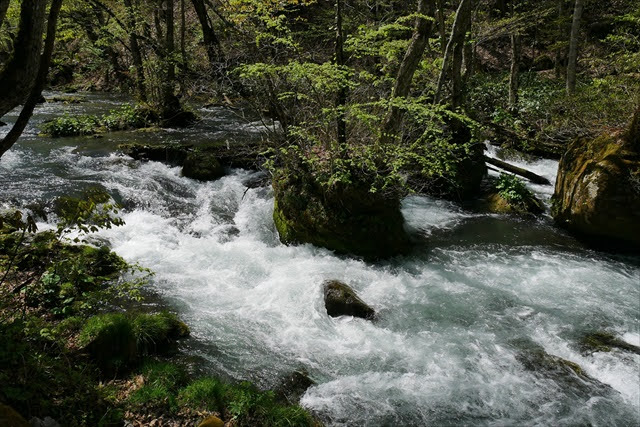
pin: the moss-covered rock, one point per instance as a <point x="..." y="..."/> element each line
<point x="605" y="341"/>
<point x="171" y="153"/>
<point x="293" y="386"/>
<point x="597" y="193"/>
<point x="202" y="166"/>
<point x="10" y="418"/>
<point x="341" y="300"/>
<point x="211" y="421"/>
<point x="509" y="195"/>
<point x="347" y="219"/>
<point x="116" y="341"/>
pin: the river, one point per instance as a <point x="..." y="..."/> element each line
<point x="456" y="315"/>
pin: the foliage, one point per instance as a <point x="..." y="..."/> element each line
<point x="512" y="189"/>
<point x="124" y="118"/>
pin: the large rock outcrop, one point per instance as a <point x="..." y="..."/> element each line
<point x="348" y="220"/>
<point x="597" y="192"/>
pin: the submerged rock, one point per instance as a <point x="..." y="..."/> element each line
<point x="605" y="341"/>
<point x="174" y="154"/>
<point x="202" y="166"/>
<point x="597" y="192"/>
<point x="341" y="300"/>
<point x="348" y="220"/>
<point x="293" y="386"/>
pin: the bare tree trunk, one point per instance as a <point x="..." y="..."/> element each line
<point x="341" y="100"/>
<point x="184" y="64"/>
<point x="513" y="75"/>
<point x="441" y="26"/>
<point x="136" y="55"/>
<point x="573" y="47"/>
<point x="36" y="91"/>
<point x="559" y="53"/>
<point x="452" y="62"/>
<point x="18" y="75"/>
<point x="421" y="32"/>
<point x="211" y="41"/>
<point x="170" y="102"/>
<point x="4" y="5"/>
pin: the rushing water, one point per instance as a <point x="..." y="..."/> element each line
<point x="456" y="315"/>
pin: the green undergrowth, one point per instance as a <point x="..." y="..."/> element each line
<point x="77" y="343"/>
<point x="168" y="388"/>
<point x="124" y="118"/>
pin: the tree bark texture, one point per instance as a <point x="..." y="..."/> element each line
<point x="341" y="100"/>
<point x="421" y="32"/>
<point x="211" y="41"/>
<point x="18" y="75"/>
<point x="452" y="63"/>
<point x="572" y="60"/>
<point x="41" y="78"/>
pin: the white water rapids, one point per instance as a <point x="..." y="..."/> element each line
<point x="445" y="350"/>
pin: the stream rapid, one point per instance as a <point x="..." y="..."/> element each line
<point x="455" y="316"/>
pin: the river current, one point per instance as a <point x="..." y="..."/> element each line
<point x="457" y="315"/>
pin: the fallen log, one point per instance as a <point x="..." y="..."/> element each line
<point x="533" y="177"/>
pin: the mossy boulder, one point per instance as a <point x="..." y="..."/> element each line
<point x="497" y="204"/>
<point x="171" y="153"/>
<point x="597" y="193"/>
<point x="605" y="342"/>
<point x="211" y="421"/>
<point x="348" y="219"/>
<point x="341" y="300"/>
<point x="202" y="166"/>
<point x="10" y="418"/>
<point x="116" y="341"/>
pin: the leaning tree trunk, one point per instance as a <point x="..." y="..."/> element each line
<point x="441" y="26"/>
<point x="573" y="47"/>
<point x="421" y="32"/>
<point x="4" y="5"/>
<point x="18" y="75"/>
<point x="211" y="41"/>
<point x="452" y="62"/>
<point x="36" y="91"/>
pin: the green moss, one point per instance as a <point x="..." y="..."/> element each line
<point x="110" y="340"/>
<point x="161" y="382"/>
<point x="156" y="332"/>
<point x="204" y="393"/>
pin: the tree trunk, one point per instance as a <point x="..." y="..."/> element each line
<point x="421" y="32"/>
<point x="184" y="64"/>
<point x="136" y="55"/>
<point x="452" y="62"/>
<point x="170" y="102"/>
<point x="18" y="75"/>
<point x="341" y="100"/>
<point x="573" y="48"/>
<point x="211" y="41"/>
<point x="515" y="67"/>
<point x="36" y="91"/>
<point x="533" y="177"/>
<point x="560" y="36"/>
<point x="441" y="26"/>
<point x="4" y="5"/>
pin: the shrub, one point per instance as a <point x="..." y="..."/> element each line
<point x="513" y="190"/>
<point x="71" y="126"/>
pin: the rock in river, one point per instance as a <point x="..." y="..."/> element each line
<point x="341" y="300"/>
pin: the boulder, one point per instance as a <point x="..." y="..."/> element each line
<point x="9" y="417"/>
<point x="348" y="219"/>
<point x="497" y="204"/>
<point x="202" y="166"/>
<point x="211" y="421"/>
<point x="605" y="342"/>
<point x="174" y="154"/>
<point x="597" y="193"/>
<point x="341" y="300"/>
<point x="293" y="386"/>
